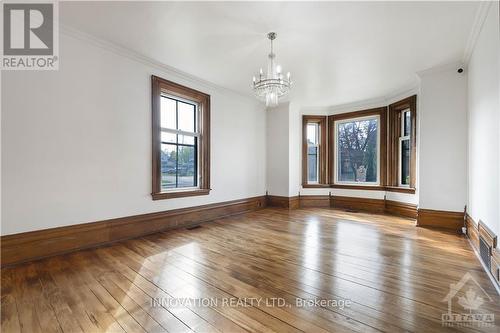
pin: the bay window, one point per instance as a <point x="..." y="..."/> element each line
<point x="371" y="149"/>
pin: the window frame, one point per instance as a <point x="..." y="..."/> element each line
<point x="317" y="146"/>
<point x="195" y="135"/>
<point x="395" y="137"/>
<point x="164" y="87"/>
<point x="322" y="122"/>
<point x="381" y="113"/>
<point x="336" y="123"/>
<point x="402" y="138"/>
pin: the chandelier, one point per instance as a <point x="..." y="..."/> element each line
<point x="273" y="85"/>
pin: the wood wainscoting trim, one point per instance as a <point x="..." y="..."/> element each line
<point x="487" y="234"/>
<point x="27" y="246"/>
<point x="440" y="219"/>
<point x="367" y="205"/>
<point x="309" y="201"/>
<point x="401" y="209"/>
<point x="474" y="230"/>
<point x="361" y="204"/>
<point x="283" y="202"/>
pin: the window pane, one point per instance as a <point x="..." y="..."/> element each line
<point x="357" y="152"/>
<point x="186" y="139"/>
<point x="312" y="134"/>
<point x="168" y="137"/>
<point x="406" y="123"/>
<point x="312" y="164"/>
<point x="186" y="167"/>
<point x="405" y="162"/>
<point x="168" y="114"/>
<point x="187" y="117"/>
<point x="168" y="166"/>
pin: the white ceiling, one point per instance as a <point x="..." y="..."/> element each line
<point x="338" y="52"/>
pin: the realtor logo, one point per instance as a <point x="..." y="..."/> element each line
<point x="30" y="36"/>
<point x="469" y="294"/>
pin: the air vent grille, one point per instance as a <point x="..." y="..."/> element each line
<point x="484" y="252"/>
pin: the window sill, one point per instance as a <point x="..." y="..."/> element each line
<point x="179" y="194"/>
<point x="315" y="185"/>
<point x="400" y="189"/>
<point x="360" y="187"/>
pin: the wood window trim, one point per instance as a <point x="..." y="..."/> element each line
<point x="381" y="112"/>
<point x="159" y="86"/>
<point x="322" y="122"/>
<point x="394" y="131"/>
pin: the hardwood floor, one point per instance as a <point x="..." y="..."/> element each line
<point x="391" y="275"/>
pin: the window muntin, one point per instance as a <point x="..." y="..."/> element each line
<point x="313" y="153"/>
<point x="179" y="143"/>
<point x="404" y="149"/>
<point x="357" y="151"/>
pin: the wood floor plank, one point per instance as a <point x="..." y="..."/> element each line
<point x="395" y="275"/>
<point x="247" y="317"/>
<point x="150" y="284"/>
<point x="88" y="310"/>
<point x="126" y="321"/>
<point x="9" y="314"/>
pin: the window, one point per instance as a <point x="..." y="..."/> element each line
<point x="404" y="149"/>
<point x="371" y="149"/>
<point x="179" y="143"/>
<point x="314" y="153"/>
<point x="402" y="145"/>
<point x="180" y="140"/>
<point x="357" y="150"/>
<point x="357" y="143"/>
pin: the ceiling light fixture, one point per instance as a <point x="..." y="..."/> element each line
<point x="273" y="85"/>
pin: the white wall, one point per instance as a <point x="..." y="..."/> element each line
<point x="277" y="150"/>
<point x="76" y="143"/>
<point x="484" y="124"/>
<point x="443" y="140"/>
<point x="295" y="149"/>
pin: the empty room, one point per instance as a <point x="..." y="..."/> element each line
<point x="250" y="166"/>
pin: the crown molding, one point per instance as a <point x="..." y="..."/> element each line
<point x="358" y="105"/>
<point x="407" y="90"/>
<point x="453" y="65"/>
<point x="477" y="25"/>
<point x="145" y="60"/>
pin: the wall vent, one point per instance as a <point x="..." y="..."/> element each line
<point x="485" y="253"/>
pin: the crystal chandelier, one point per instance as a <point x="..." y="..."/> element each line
<point x="273" y="85"/>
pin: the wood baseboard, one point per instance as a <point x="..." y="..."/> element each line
<point x="401" y="209"/>
<point x="359" y="204"/>
<point x="283" y="202"/>
<point x="38" y="244"/>
<point x="310" y="201"/>
<point x="367" y="205"/>
<point x="440" y="219"/>
<point x="474" y="230"/>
